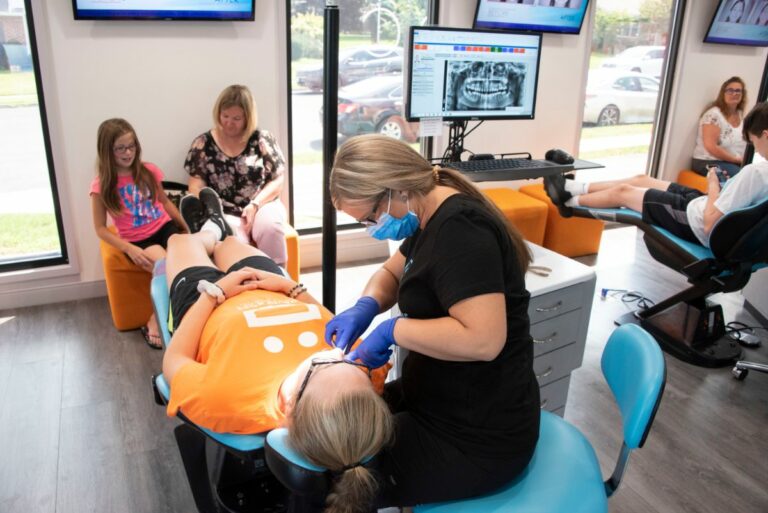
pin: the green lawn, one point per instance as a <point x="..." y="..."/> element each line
<point x="596" y="59"/>
<point x="593" y="132"/>
<point x="22" y="234"/>
<point x="17" y="89"/>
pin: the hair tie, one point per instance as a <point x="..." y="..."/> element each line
<point x="436" y="173"/>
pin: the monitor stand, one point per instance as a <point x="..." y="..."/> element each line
<point x="455" y="141"/>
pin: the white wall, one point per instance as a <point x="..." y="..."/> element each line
<point x="163" y="76"/>
<point x="701" y="69"/>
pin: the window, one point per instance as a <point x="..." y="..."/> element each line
<point x="31" y="232"/>
<point x="371" y="53"/>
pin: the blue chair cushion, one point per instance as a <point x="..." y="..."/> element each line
<point x="563" y="476"/>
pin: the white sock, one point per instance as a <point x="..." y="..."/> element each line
<point x="573" y="201"/>
<point x="210" y="226"/>
<point x="576" y="188"/>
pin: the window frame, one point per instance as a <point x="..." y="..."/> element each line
<point x="63" y="259"/>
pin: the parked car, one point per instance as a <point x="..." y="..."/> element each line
<point x="375" y="105"/>
<point x="616" y="97"/>
<point x="642" y="59"/>
<point x="356" y="64"/>
<point x="15" y="57"/>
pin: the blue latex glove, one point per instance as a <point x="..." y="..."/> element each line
<point x="374" y="351"/>
<point x="345" y="328"/>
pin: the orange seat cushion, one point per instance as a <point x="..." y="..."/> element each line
<point x="693" y="180"/>
<point x="527" y="214"/>
<point x="572" y="236"/>
<point x="127" y="289"/>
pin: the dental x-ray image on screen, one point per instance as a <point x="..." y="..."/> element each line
<point x="484" y="85"/>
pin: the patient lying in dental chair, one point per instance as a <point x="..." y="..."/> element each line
<point x="246" y="341"/>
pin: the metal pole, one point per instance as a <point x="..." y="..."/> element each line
<point x="330" y="140"/>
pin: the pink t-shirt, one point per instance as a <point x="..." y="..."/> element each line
<point x="139" y="218"/>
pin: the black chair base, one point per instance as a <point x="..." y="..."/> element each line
<point x="694" y="334"/>
<point x="222" y="482"/>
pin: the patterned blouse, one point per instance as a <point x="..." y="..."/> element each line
<point x="730" y="137"/>
<point x="236" y="179"/>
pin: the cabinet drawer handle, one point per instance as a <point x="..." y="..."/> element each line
<point x="546" y="372"/>
<point x="552" y="308"/>
<point x="543" y="403"/>
<point x="546" y="340"/>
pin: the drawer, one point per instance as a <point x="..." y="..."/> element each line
<point x="554" y="395"/>
<point x="554" y="365"/>
<point x="560" y="412"/>
<point x="555" y="303"/>
<point x="555" y="332"/>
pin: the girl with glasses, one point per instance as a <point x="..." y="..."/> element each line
<point x="129" y="191"/>
<point x="247" y="355"/>
<point x="718" y="140"/>
<point x="467" y="405"/>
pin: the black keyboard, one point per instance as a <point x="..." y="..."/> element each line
<point x="506" y="169"/>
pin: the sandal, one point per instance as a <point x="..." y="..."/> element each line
<point x="153" y="341"/>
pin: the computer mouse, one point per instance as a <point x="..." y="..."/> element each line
<point x="559" y="156"/>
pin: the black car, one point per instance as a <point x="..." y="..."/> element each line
<point x="356" y="64"/>
<point x="375" y="105"/>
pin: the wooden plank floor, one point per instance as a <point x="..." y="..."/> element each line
<point x="79" y="430"/>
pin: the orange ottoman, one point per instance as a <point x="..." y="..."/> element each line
<point x="127" y="289"/>
<point x="528" y="215"/>
<point x="693" y="180"/>
<point x="293" y="262"/>
<point x="572" y="236"/>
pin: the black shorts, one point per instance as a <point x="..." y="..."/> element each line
<point x="160" y="237"/>
<point x="184" y="287"/>
<point x="667" y="209"/>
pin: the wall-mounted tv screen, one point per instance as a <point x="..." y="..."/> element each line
<point x="561" y="16"/>
<point x="227" y="10"/>
<point x="460" y="74"/>
<point x="739" y="22"/>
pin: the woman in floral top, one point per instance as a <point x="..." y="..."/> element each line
<point x="719" y="141"/>
<point x="246" y="168"/>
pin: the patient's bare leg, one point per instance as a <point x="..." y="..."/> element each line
<point x="231" y="250"/>
<point x="189" y="250"/>
<point x="622" y="195"/>
<point x="642" y="181"/>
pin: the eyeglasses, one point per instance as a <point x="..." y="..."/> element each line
<point x="123" y="148"/>
<point x="370" y="219"/>
<point x="734" y="91"/>
<point x="317" y="363"/>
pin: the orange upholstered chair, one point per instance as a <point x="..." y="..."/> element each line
<point x="692" y="179"/>
<point x="574" y="236"/>
<point x="529" y="215"/>
<point x="127" y="288"/>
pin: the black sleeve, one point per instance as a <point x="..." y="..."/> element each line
<point x="467" y="260"/>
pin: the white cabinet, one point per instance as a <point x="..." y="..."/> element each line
<point x="559" y="311"/>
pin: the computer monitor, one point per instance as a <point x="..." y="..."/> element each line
<point x="739" y="22"/>
<point x="560" y="16"/>
<point x="217" y="10"/>
<point x="463" y="74"/>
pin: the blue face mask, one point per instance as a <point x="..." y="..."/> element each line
<point x="392" y="228"/>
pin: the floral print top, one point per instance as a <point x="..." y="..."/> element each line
<point x="236" y="179"/>
<point x="730" y="137"/>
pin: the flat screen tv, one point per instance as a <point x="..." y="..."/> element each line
<point x="463" y="74"/>
<point x="560" y="16"/>
<point x="739" y="22"/>
<point x="225" y="10"/>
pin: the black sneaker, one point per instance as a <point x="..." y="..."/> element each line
<point x="193" y="212"/>
<point x="212" y="204"/>
<point x="554" y="185"/>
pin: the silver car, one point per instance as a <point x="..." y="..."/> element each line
<point x="616" y="97"/>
